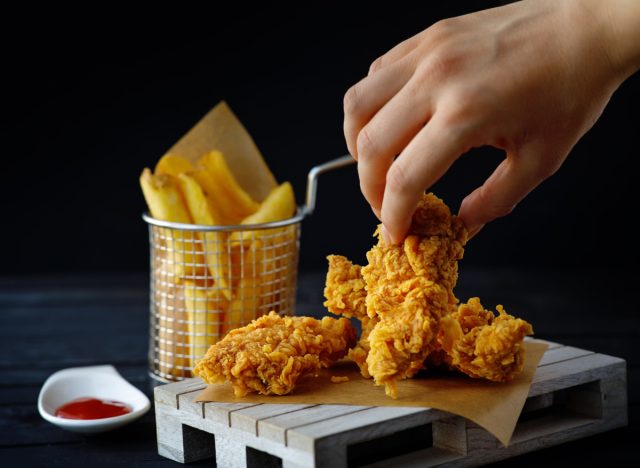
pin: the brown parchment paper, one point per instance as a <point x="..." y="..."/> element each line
<point x="494" y="406"/>
<point x="221" y="130"/>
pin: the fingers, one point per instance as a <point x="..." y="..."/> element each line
<point x="365" y="98"/>
<point x="386" y="135"/>
<point x="420" y="165"/>
<point x="398" y="52"/>
<point x="512" y="180"/>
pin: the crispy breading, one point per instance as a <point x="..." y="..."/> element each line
<point x="410" y="288"/>
<point x="408" y="294"/>
<point x="270" y="354"/>
<point x="360" y="351"/>
<point x="345" y="293"/>
<point x="480" y="344"/>
<point x="345" y="289"/>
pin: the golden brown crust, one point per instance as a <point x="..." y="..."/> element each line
<point x="411" y="314"/>
<point x="410" y="288"/>
<point x="360" y="351"/>
<point x="480" y="344"/>
<point x="345" y="293"/>
<point x="270" y="354"/>
<point x="345" y="289"/>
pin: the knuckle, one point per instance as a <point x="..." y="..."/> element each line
<point x="458" y="114"/>
<point x="492" y="208"/>
<point x="398" y="179"/>
<point x="442" y="28"/>
<point x="540" y="162"/>
<point x="376" y="65"/>
<point x="441" y="64"/>
<point x="464" y="109"/>
<point x="436" y="66"/>
<point x="351" y="100"/>
<point x="365" y="144"/>
<point x="446" y="54"/>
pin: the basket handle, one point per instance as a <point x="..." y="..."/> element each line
<point x="312" y="180"/>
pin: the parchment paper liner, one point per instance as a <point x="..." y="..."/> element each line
<point x="494" y="406"/>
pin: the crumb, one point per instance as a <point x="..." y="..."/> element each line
<point x="339" y="379"/>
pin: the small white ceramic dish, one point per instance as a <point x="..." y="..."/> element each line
<point x="102" y="382"/>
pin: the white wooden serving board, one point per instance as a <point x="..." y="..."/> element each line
<point x="575" y="393"/>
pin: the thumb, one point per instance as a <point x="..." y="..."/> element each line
<point x="512" y="180"/>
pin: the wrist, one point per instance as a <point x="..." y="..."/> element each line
<point x="621" y="27"/>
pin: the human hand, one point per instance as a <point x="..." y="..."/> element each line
<point x="530" y="78"/>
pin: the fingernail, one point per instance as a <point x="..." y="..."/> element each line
<point x="385" y="235"/>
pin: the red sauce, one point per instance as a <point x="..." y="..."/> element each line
<point x="92" y="408"/>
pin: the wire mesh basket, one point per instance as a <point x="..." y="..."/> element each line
<point x="207" y="280"/>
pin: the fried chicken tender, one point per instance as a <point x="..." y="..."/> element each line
<point x="410" y="288"/>
<point x="482" y="345"/>
<point x="408" y="298"/>
<point x="345" y="293"/>
<point x="270" y="354"/>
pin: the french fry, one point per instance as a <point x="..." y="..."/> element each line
<point x="165" y="202"/>
<point x="280" y="204"/>
<point x="205" y="308"/>
<point x="215" y="243"/>
<point x="206" y="283"/>
<point x="229" y="193"/>
<point x="163" y="197"/>
<point x="173" y="164"/>
<point x="221" y="210"/>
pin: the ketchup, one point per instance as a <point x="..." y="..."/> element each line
<point x="92" y="408"/>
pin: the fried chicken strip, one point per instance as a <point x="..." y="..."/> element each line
<point x="482" y="345"/>
<point x="270" y="354"/>
<point x="411" y="310"/>
<point x="410" y="288"/>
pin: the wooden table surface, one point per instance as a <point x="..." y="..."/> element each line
<point x="49" y="323"/>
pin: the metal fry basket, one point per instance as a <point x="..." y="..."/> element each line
<point x="207" y="280"/>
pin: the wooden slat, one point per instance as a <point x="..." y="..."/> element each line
<point x="247" y="419"/>
<point x="549" y="424"/>
<point x="563" y="353"/>
<point x="420" y="459"/>
<point x="569" y="373"/>
<point x="276" y="427"/>
<point x="221" y="412"/>
<point x="187" y="402"/>
<point x="394" y="419"/>
<point x="450" y="434"/>
<point x="319" y="435"/>
<point x="168" y="394"/>
<point x="537" y="402"/>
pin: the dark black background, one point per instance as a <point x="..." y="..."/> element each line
<point x="89" y="103"/>
<point x="92" y="97"/>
